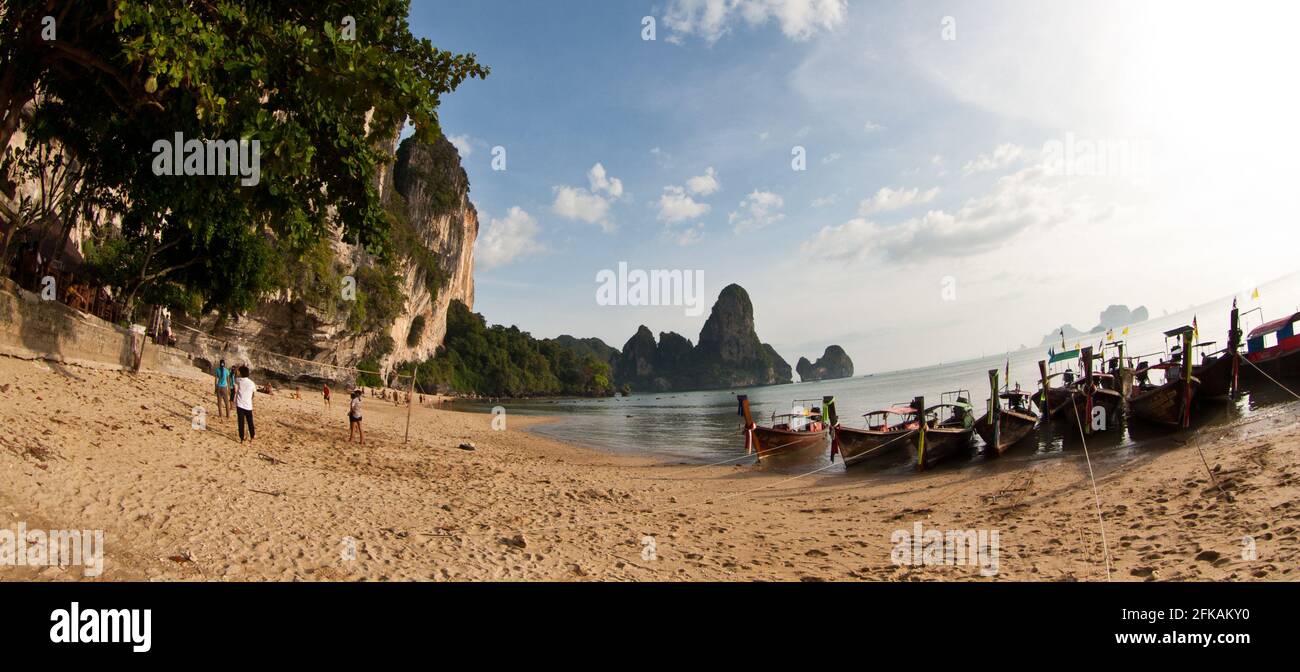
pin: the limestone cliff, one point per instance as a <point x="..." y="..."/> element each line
<point x="729" y="353"/>
<point x="428" y="191"/>
<point x="834" y="363"/>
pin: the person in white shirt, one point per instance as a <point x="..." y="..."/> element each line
<point x="354" y="418"/>
<point x="244" y="390"/>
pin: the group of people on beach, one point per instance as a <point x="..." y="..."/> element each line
<point x="234" y="386"/>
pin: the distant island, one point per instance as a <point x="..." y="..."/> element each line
<point x="729" y="353"/>
<point x="833" y="364"/>
<point x="1114" y="317"/>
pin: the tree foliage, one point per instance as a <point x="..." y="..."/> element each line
<point x="503" y="361"/>
<point x="123" y="74"/>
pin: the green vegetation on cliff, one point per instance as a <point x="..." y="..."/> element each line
<point x="500" y="361"/>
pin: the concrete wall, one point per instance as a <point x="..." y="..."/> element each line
<point x="34" y="329"/>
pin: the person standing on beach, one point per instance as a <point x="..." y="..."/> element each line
<point x="244" y="390"/>
<point x="354" y="418"/>
<point x="223" y="391"/>
<point x="327" y="395"/>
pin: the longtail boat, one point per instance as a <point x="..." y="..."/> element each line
<point x="886" y="438"/>
<point x="947" y="429"/>
<point x="1219" y="371"/>
<point x="789" y="433"/>
<point x="1273" y="350"/>
<point x="1170" y="403"/>
<point x="1051" y="399"/>
<point x="1093" y="391"/>
<point x="1001" y="428"/>
<point x="1074" y="400"/>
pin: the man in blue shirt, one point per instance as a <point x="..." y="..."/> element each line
<point x="223" y="390"/>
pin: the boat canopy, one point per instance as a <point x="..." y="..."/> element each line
<point x="1185" y="329"/>
<point x="1062" y="356"/>
<point x="1276" y="325"/>
<point x="896" y="410"/>
<point x="952" y="404"/>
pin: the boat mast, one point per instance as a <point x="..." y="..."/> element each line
<point x="1047" y="401"/>
<point x="1234" y="344"/>
<point x="1187" y="379"/>
<point x="1088" y="388"/>
<point x="995" y="409"/>
<point x="919" y="403"/>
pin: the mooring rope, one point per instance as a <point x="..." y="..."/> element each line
<point x="1261" y="372"/>
<point x="1096" y="498"/>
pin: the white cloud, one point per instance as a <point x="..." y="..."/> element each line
<point x="591" y="206"/>
<point x="872" y="127"/>
<point x="757" y="210"/>
<point x="705" y="184"/>
<point x="823" y="201"/>
<point x="675" y="205"/>
<point x="600" y="182"/>
<point x="507" y="239"/>
<point x="661" y="157"/>
<point x="711" y="19"/>
<point x="832" y="157"/>
<point x="1028" y="199"/>
<point x="689" y="235"/>
<point x="463" y="144"/>
<point x="888" y="200"/>
<point x="1004" y="155"/>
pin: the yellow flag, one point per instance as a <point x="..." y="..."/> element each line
<point x="1255" y="294"/>
<point x="1125" y="331"/>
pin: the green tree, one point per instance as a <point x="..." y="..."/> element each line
<point x="123" y="74"/>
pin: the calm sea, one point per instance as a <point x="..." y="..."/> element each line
<point x="703" y="427"/>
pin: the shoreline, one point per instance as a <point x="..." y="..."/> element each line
<point x="93" y="449"/>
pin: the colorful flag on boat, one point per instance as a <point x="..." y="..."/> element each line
<point x="1196" y="331"/>
<point x="1255" y="294"/>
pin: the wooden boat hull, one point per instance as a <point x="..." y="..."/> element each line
<point x="1110" y="400"/>
<point x="1058" y="400"/>
<point x="1215" y="377"/>
<point x="863" y="447"/>
<point x="1065" y="402"/>
<point x="1275" y="362"/>
<point x="942" y="443"/>
<point x="778" y="442"/>
<point x="1015" y="427"/>
<point x="1163" y="405"/>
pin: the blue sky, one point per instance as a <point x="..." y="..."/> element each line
<point x="933" y="221"/>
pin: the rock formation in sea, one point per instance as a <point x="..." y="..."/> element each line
<point x="834" y="363"/>
<point x="1114" y="317"/>
<point x="728" y="354"/>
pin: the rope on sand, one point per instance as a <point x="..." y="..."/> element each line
<point x="1096" y="499"/>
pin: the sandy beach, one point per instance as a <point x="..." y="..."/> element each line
<point x="92" y="449"/>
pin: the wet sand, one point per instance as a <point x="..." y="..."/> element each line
<point x="91" y="449"/>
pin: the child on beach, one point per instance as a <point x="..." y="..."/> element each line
<point x="327" y="395"/>
<point x="244" y="389"/>
<point x="354" y="418"/>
